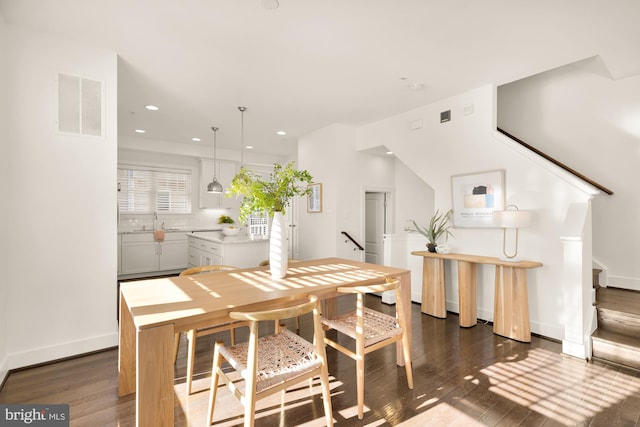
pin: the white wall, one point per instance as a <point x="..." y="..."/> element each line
<point x="467" y="144"/>
<point x="61" y="295"/>
<point x="413" y="199"/>
<point x="330" y="155"/>
<point x="583" y="118"/>
<point x="4" y="188"/>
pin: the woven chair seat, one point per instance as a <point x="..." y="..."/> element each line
<point x="377" y="326"/>
<point x="281" y="357"/>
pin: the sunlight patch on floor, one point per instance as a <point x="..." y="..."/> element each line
<point x="554" y="386"/>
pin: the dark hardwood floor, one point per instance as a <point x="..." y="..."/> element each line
<point x="463" y="377"/>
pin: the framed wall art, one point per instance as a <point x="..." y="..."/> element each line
<point x="475" y="196"/>
<point x="314" y="201"/>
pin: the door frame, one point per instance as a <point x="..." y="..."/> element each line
<point x="389" y="209"/>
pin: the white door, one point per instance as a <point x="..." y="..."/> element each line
<point x="375" y="221"/>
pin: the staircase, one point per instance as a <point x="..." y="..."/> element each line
<point x="617" y="338"/>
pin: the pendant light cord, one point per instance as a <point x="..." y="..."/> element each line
<point x="242" y="110"/>
<point x="215" y="132"/>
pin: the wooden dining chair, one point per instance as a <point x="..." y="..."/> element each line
<point x="193" y="334"/>
<point x="271" y="363"/>
<point x="371" y="331"/>
<point x="266" y="263"/>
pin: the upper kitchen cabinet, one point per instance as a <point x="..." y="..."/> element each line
<point x="225" y="172"/>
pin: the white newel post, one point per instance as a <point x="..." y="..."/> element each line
<point x="278" y="248"/>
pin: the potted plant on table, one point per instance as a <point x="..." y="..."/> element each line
<point x="439" y="226"/>
<point x="271" y="197"/>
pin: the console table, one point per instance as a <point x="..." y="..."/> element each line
<point x="511" y="303"/>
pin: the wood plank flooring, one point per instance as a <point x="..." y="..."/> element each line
<point x="463" y="377"/>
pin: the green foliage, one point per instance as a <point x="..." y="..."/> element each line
<point x="438" y="227"/>
<point x="225" y="219"/>
<point x="270" y="196"/>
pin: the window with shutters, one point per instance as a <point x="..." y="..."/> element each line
<point x="147" y="190"/>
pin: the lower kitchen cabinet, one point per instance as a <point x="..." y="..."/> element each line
<point x="140" y="253"/>
<point x="206" y="250"/>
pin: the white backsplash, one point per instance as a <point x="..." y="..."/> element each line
<point x="202" y="219"/>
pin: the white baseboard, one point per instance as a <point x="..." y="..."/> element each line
<point x="4" y="370"/>
<point x="60" y="351"/>
<point x="623" y="282"/>
<point x="578" y="350"/>
<point x="543" y="329"/>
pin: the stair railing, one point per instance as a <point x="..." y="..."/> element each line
<point x="349" y="238"/>
<point x="556" y="162"/>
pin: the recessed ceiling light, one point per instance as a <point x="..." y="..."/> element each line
<point x="281" y="132"/>
<point x="195" y="139"/>
<point x="141" y="131"/>
<point x="389" y="152"/>
<point x="249" y="147"/>
<point x="151" y="107"/>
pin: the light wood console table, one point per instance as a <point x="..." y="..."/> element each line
<point x="511" y="304"/>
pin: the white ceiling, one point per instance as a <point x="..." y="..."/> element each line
<point x="311" y="63"/>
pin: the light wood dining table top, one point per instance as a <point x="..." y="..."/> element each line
<point x="201" y="298"/>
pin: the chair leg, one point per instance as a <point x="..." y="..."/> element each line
<point x="360" y="385"/>
<point x="406" y="349"/>
<point x="217" y="362"/>
<point x="176" y="345"/>
<point x="232" y="331"/>
<point x="191" y="353"/>
<point x="326" y="394"/>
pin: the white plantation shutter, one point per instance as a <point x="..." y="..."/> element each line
<point x="145" y="190"/>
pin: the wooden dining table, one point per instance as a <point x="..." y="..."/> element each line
<point x="153" y="310"/>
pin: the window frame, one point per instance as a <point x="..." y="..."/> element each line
<point x="156" y="175"/>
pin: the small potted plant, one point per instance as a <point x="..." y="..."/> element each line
<point x="438" y="227"/>
<point x="228" y="228"/>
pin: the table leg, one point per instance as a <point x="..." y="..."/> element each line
<point x="511" y="304"/>
<point x="433" y="291"/>
<point x="154" y="399"/>
<point x="405" y="294"/>
<point x="468" y="293"/>
<point x="126" y="351"/>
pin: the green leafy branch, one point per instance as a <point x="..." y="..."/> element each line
<point x="269" y="196"/>
<point x="439" y="226"/>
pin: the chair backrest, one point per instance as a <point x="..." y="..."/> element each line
<point x="389" y="285"/>
<point x="206" y="269"/>
<point x="291" y="309"/>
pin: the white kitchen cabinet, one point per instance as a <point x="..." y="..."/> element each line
<point x="225" y="173"/>
<point x="207" y="250"/>
<point x="140" y="253"/>
<point x="173" y="252"/>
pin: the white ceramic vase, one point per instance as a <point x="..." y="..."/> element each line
<point x="278" y="248"/>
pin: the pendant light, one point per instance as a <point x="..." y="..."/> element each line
<point x="242" y="110"/>
<point x="214" y="186"/>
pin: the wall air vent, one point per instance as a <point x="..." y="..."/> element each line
<point x="80" y="105"/>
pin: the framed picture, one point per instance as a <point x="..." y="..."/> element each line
<point x="475" y="196"/>
<point x="314" y="202"/>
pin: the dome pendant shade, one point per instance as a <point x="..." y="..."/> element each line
<point x="214" y="186"/>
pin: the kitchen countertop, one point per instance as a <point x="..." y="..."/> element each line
<point x="173" y="230"/>
<point x="218" y="237"/>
